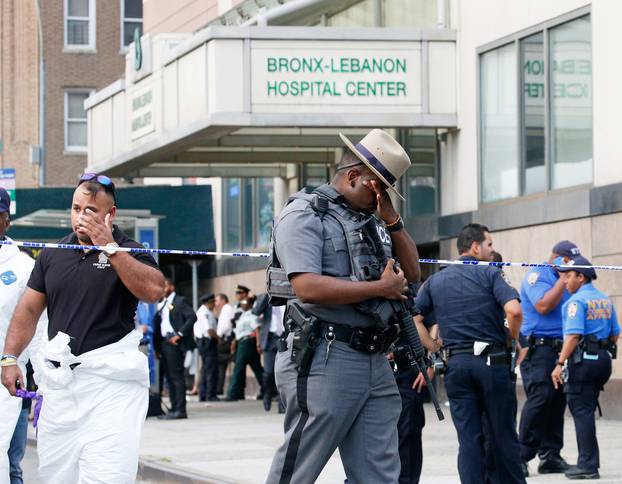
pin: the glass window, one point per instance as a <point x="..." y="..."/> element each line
<point x="315" y="174"/>
<point x="131" y="20"/>
<point x="421" y="180"/>
<point x="75" y="120"/>
<point x="233" y="197"/>
<point x="80" y="23"/>
<point x="265" y="210"/>
<point x="359" y="15"/>
<point x="499" y="147"/>
<point x="571" y="103"/>
<point x="247" y="213"/>
<point x="533" y="102"/>
<point x="409" y="13"/>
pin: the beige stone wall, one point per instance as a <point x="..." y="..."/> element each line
<point x="597" y="237"/>
<point x="255" y="280"/>
<point x="19" y="84"/>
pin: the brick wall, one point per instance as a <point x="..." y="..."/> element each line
<point x="75" y="70"/>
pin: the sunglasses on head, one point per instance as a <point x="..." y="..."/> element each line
<point x="101" y="179"/>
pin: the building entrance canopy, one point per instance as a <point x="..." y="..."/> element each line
<point x="197" y="105"/>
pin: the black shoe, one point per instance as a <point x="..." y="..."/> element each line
<point x="281" y="408"/>
<point x="173" y="416"/>
<point x="213" y="399"/>
<point x="267" y="403"/>
<point x="576" y="472"/>
<point x="552" y="464"/>
<point x="230" y="399"/>
<point x="525" y="468"/>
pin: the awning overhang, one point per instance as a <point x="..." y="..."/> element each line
<point x="223" y="96"/>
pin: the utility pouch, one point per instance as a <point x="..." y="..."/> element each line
<point x="577" y="355"/>
<point x="613" y="350"/>
<point x="306" y="330"/>
<point x="591" y="345"/>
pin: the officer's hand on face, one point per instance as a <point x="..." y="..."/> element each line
<point x="384" y="205"/>
<point x="11" y="376"/>
<point x="394" y="282"/>
<point x="419" y="382"/>
<point x="98" y="230"/>
<point x="556" y="376"/>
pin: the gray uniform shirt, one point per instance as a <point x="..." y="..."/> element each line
<point x="306" y="243"/>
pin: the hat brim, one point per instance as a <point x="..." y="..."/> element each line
<point x="352" y="148"/>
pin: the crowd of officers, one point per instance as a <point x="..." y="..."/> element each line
<point x="221" y="333"/>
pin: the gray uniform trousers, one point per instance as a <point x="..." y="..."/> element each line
<point x="351" y="402"/>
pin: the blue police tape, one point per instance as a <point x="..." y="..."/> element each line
<point x="47" y="245"/>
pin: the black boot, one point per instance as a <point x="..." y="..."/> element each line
<point x="552" y="463"/>
<point x="576" y="472"/>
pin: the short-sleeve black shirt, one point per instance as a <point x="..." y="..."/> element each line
<point x="85" y="297"/>
<point x="468" y="302"/>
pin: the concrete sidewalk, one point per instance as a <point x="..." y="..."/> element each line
<point x="234" y="443"/>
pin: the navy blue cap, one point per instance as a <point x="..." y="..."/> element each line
<point x="565" y="248"/>
<point x="5" y="200"/>
<point x="207" y="297"/>
<point x="579" y="261"/>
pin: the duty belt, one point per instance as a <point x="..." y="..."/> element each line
<point x="555" y="343"/>
<point x="497" y="354"/>
<point x="365" y="340"/>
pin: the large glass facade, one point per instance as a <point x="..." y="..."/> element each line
<point x="499" y="124"/>
<point x="533" y="102"/>
<point x="571" y="103"/>
<point x="248" y="213"/>
<point x="551" y="113"/>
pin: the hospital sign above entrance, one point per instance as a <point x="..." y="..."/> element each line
<point x="192" y="89"/>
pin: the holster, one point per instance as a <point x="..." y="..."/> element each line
<point x="306" y="330"/>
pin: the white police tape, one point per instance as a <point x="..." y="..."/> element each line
<point x="142" y="250"/>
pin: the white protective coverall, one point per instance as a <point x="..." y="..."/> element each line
<point x="92" y="416"/>
<point x="15" y="269"/>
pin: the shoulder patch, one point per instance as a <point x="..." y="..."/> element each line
<point x="532" y="278"/>
<point x="572" y="310"/>
<point x="8" y="278"/>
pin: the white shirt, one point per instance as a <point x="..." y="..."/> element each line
<point x="15" y="269"/>
<point x="165" y="315"/>
<point x="246" y="324"/>
<point x="225" y="328"/>
<point x="276" y="322"/>
<point x="205" y="321"/>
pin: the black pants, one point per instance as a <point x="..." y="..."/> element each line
<point x="541" y="429"/>
<point x="208" y="379"/>
<point x="477" y="391"/>
<point x="269" y="358"/>
<point x="409" y="428"/>
<point x="224" y="358"/>
<point x="585" y="382"/>
<point x="245" y="354"/>
<point x="174" y="361"/>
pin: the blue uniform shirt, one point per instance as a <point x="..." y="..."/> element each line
<point x="537" y="283"/>
<point x="590" y="311"/>
<point x="468" y="302"/>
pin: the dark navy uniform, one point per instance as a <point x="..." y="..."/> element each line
<point x="412" y="418"/>
<point x="588" y="312"/>
<point x="468" y="302"/>
<point x="541" y="429"/>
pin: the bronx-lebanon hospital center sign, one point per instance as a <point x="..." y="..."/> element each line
<point x="330" y="76"/>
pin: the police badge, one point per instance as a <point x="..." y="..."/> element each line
<point x="572" y="309"/>
<point x="533" y="278"/>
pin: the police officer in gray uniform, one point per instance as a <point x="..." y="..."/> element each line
<point x="331" y="370"/>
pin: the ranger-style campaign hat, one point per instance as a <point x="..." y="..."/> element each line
<point x="5" y="201"/>
<point x="579" y="261"/>
<point x="383" y="155"/>
<point x="565" y="248"/>
<point x="242" y="288"/>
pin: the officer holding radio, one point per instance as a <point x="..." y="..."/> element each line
<point x="332" y="262"/>
<point x="591" y="332"/>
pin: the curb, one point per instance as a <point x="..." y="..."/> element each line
<point x="154" y="471"/>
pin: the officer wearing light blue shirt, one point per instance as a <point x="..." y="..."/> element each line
<point x="541" y="428"/>
<point x="591" y="332"/>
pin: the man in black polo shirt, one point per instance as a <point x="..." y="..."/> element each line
<point x="94" y="380"/>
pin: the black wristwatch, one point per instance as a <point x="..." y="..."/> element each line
<point x="396" y="226"/>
